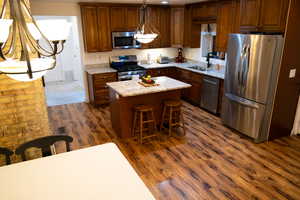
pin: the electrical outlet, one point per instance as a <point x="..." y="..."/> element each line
<point x="292" y="73"/>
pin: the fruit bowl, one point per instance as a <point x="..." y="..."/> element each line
<point x="148" y="80"/>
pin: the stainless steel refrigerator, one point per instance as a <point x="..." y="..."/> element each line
<point x="252" y="69"/>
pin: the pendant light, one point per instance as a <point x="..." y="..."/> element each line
<point x="145" y="32"/>
<point x="28" y="48"/>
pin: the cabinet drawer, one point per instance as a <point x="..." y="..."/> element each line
<point x="102" y="79"/>
<point x="101" y="96"/>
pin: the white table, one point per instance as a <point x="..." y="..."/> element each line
<point x="96" y="173"/>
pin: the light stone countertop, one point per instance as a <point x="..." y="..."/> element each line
<point x="133" y="88"/>
<point x="213" y="73"/>
<point x="99" y="69"/>
<point x="105" y="68"/>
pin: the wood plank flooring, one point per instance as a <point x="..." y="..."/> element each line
<point x="211" y="162"/>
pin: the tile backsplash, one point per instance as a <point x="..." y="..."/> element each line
<point x="142" y="54"/>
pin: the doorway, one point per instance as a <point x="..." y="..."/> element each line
<point x="65" y="84"/>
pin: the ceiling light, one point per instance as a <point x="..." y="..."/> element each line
<point x="164" y="2"/>
<point x="28" y="47"/>
<point x="145" y="32"/>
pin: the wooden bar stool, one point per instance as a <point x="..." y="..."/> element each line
<point x="172" y="116"/>
<point x="144" y="124"/>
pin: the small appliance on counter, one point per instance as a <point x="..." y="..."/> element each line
<point x="127" y="67"/>
<point x="163" y="60"/>
<point x="180" y="58"/>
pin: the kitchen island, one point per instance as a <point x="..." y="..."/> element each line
<point x="125" y="95"/>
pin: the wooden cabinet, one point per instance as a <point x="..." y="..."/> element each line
<point x="221" y="95"/>
<point x="192" y="94"/>
<point x="250" y="16"/>
<point x="177" y="27"/>
<point x="263" y="15"/>
<point x="160" y="19"/>
<point x="273" y="15"/>
<point x="204" y="12"/>
<point x="98" y="91"/>
<point x="225" y="24"/>
<point x="169" y="71"/>
<point x="96" y="28"/>
<point x="124" y="18"/>
<point x="165" y="27"/>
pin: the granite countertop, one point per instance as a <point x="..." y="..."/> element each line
<point x="99" y="69"/>
<point x="133" y="88"/>
<point x="213" y="73"/>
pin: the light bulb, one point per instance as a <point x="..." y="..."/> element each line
<point x="38" y="65"/>
<point x="4" y="27"/>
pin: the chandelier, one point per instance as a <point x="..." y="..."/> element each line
<point x="28" y="48"/>
<point x="145" y="32"/>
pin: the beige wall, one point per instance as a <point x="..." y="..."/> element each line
<point x="23" y="112"/>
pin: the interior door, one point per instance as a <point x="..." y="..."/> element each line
<point x="258" y="62"/>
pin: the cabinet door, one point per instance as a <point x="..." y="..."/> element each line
<point x="237" y="16"/>
<point x="90" y="28"/>
<point x="250" y="10"/>
<point x="104" y="29"/>
<point x="225" y="24"/>
<point x="165" y="27"/>
<point x="118" y="19"/>
<point x="187" y="26"/>
<point x="155" y="21"/>
<point x="132" y="18"/>
<point x="273" y="15"/>
<point x="177" y="27"/>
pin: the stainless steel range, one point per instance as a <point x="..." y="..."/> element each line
<point x="127" y="67"/>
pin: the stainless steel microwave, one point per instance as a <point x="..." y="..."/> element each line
<point x="124" y="40"/>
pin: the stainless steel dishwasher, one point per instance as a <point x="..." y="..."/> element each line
<point x="210" y="94"/>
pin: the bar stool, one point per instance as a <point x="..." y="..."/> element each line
<point x="172" y="116"/>
<point x="144" y="124"/>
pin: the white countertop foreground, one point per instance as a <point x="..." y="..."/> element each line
<point x="133" y="88"/>
<point x="100" y="172"/>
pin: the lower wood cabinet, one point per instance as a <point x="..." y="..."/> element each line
<point x="98" y="90"/>
<point x="169" y="72"/>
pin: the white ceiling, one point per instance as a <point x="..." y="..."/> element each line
<point x="125" y="1"/>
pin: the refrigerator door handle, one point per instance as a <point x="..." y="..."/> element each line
<point x="241" y="65"/>
<point x="242" y="101"/>
<point x="246" y="66"/>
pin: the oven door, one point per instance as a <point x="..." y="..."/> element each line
<point x="124" y="40"/>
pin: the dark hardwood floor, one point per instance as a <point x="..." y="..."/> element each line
<point x="211" y="162"/>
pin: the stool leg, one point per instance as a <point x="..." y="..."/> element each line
<point x="141" y="127"/>
<point x="182" y="121"/>
<point x="163" y="119"/>
<point x="170" y="122"/>
<point x="154" y="124"/>
<point x="134" y="124"/>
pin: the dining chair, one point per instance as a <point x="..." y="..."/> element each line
<point x="7" y="153"/>
<point x="44" y="144"/>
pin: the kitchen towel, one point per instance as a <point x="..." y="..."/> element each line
<point x="296" y="129"/>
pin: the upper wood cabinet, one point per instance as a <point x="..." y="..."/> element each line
<point x="204" y="11"/>
<point x="225" y="24"/>
<point x="273" y="15"/>
<point x="96" y="28"/>
<point x="165" y="27"/>
<point x="124" y="18"/>
<point x="263" y="15"/>
<point x="177" y="27"/>
<point x="160" y="19"/>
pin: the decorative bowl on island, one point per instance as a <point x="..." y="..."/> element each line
<point x="148" y="80"/>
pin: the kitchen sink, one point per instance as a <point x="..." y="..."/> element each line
<point x="198" y="67"/>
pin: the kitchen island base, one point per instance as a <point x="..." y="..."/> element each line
<point x="122" y="108"/>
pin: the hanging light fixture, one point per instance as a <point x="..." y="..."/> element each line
<point x="28" y="48"/>
<point x="145" y="32"/>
